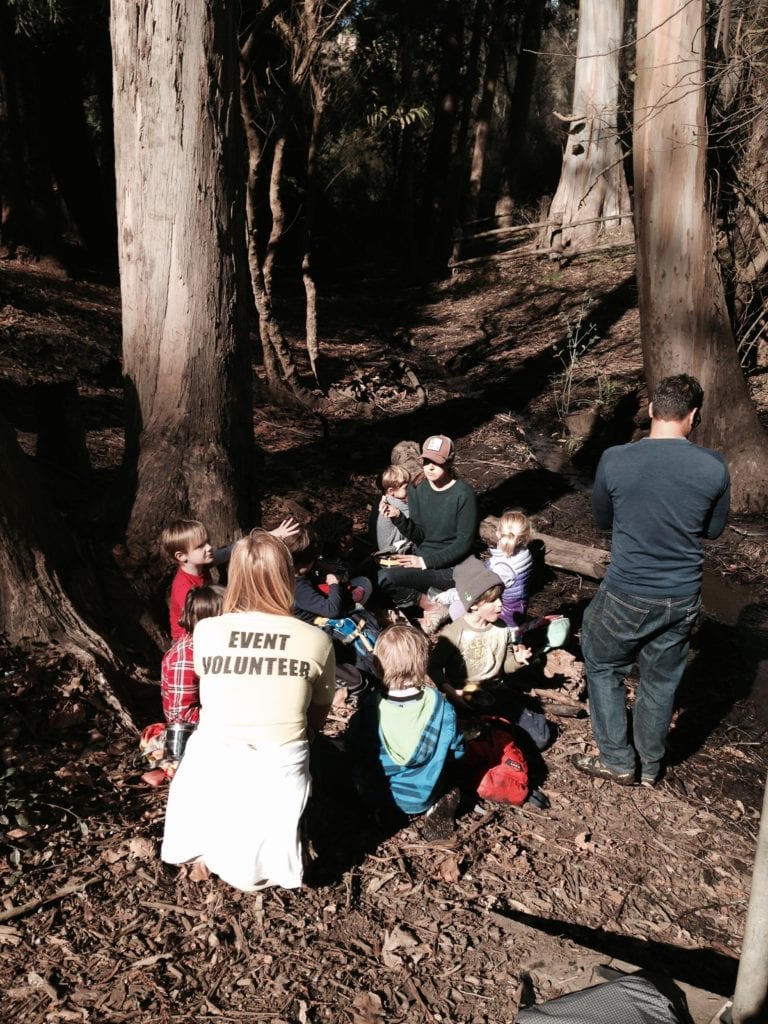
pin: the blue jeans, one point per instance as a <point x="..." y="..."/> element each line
<point x="619" y="629"/>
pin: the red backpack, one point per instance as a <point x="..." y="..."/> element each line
<point x="496" y="765"/>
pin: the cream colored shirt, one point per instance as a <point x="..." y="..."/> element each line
<point x="258" y="675"/>
<point x="464" y="654"/>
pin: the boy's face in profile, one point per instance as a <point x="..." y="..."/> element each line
<point x="398" y="492"/>
<point x="488" y="611"/>
<point x="196" y="558"/>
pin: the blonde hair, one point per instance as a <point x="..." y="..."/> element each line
<point x="513" y="531"/>
<point x="182" y="535"/>
<point x="401" y="653"/>
<point x="394" y="477"/>
<point x="260" y="576"/>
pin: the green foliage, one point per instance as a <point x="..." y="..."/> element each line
<point x="398" y="119"/>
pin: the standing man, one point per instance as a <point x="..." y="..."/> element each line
<point x="661" y="495"/>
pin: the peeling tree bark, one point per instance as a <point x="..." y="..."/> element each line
<point x="592" y="181"/>
<point x="181" y="229"/>
<point x="683" y="315"/>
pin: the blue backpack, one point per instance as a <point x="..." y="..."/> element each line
<point x="353" y="630"/>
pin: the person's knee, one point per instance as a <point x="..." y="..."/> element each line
<point x="383" y="579"/>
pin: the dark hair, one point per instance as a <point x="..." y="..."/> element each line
<point x="201" y="603"/>
<point x="674" y="397"/>
<point x="303" y="546"/>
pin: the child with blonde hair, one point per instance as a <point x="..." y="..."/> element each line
<point x="511" y="559"/>
<point x="508" y="556"/>
<point x="185" y="543"/>
<point x="405" y="739"/>
<point x="393" y="484"/>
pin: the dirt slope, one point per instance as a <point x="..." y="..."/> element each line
<point x="94" y="927"/>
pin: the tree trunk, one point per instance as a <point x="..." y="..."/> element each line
<point x="179" y="197"/>
<point x="436" y="214"/>
<point x="279" y="365"/>
<point x="515" y="163"/>
<point x="47" y="592"/>
<point x="485" y="111"/>
<point x="750" y="216"/>
<point x="592" y="181"/>
<point x="404" y="190"/>
<point x="30" y="215"/>
<point x="310" y="202"/>
<point x="77" y="173"/>
<point x="277" y="211"/>
<point x="683" y="316"/>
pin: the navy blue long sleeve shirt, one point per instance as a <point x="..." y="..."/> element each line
<point x="660" y="496"/>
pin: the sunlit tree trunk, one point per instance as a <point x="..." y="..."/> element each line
<point x="592" y="181"/>
<point x="310" y="202"/>
<point x="683" y="315"/>
<point x="181" y="241"/>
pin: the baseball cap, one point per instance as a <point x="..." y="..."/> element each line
<point x="437" y="448"/>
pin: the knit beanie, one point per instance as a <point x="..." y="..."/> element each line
<point x="472" y="579"/>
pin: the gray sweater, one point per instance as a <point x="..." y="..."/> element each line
<point x="388" y="537"/>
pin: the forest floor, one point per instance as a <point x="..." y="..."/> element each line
<point x="533" y="371"/>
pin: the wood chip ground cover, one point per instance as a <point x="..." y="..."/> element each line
<point x="93" y="927"/>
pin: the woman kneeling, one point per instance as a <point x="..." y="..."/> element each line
<point x="266" y="679"/>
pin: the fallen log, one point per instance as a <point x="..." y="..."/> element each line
<point x="578" y="558"/>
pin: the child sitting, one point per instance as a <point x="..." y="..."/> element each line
<point x="318" y="594"/>
<point x="405" y="741"/>
<point x="508" y="556"/>
<point x="512" y="561"/>
<point x="474" y="653"/>
<point x="394" y="487"/>
<point x="185" y="543"/>
<point x="326" y="600"/>
<point x="179" y="685"/>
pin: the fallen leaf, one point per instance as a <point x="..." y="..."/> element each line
<point x="112" y="856"/>
<point x="447" y="869"/>
<point x="380" y="881"/>
<point x="199" y="872"/>
<point x="398" y="938"/>
<point x="141" y="849"/>
<point x="366" y="1008"/>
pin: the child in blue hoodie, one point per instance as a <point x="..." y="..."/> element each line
<point x="405" y="741"/>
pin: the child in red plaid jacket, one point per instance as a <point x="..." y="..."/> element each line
<point x="179" y="686"/>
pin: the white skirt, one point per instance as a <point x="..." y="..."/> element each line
<point x="238" y="808"/>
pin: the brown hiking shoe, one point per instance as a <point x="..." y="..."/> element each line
<point x="592" y="765"/>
